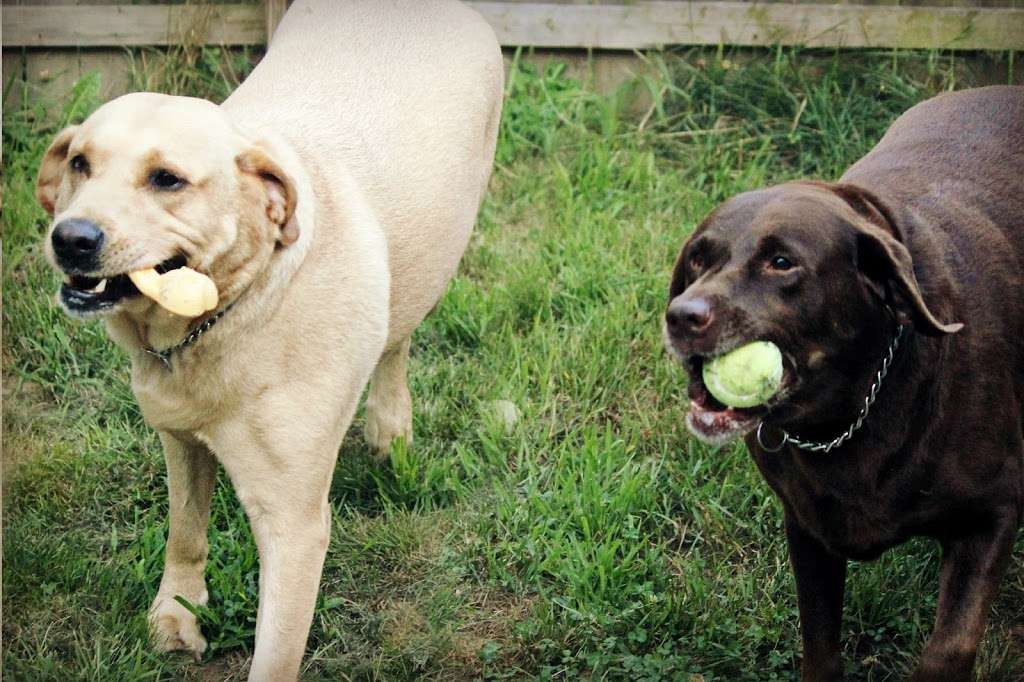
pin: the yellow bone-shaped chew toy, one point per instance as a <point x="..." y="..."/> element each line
<point x="183" y="291"/>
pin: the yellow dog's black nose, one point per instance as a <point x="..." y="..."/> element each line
<point x="77" y="243"/>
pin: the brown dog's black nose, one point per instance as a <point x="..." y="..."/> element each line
<point x="688" y="316"/>
<point x="77" y="243"/>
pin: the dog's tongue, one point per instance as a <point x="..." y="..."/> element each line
<point x="182" y="291"/>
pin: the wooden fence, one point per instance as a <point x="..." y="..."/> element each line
<point x="641" y="24"/>
<point x="53" y="42"/>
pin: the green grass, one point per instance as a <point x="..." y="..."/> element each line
<point x="591" y="538"/>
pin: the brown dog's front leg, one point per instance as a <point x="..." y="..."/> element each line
<point x="972" y="568"/>
<point x="820" y="581"/>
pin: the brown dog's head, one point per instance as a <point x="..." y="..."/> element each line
<point x="813" y="268"/>
<point x="158" y="181"/>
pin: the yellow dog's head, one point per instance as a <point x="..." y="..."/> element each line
<point x="152" y="180"/>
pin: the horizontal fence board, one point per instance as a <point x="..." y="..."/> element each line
<point x="133" y="25"/>
<point x="655" y="24"/>
<point x="638" y="25"/>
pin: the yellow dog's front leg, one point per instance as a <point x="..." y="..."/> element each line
<point x="191" y="473"/>
<point x="280" y="458"/>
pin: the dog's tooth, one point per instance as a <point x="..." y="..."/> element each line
<point x="101" y="287"/>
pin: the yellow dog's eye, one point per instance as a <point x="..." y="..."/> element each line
<point x="164" y="179"/>
<point x="79" y="164"/>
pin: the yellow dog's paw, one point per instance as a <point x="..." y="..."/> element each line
<point x="174" y="628"/>
<point x="382" y="429"/>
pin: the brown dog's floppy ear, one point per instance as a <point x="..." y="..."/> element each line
<point x="51" y="169"/>
<point x="868" y="206"/>
<point x="280" y="189"/>
<point x="887" y="264"/>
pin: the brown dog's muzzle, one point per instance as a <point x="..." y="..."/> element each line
<point x="698" y="322"/>
<point x="688" y="316"/>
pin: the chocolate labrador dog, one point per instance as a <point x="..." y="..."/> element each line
<point x="897" y="298"/>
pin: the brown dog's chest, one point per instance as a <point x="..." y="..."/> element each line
<point x="849" y="515"/>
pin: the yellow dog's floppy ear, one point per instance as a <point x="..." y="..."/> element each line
<point x="280" y="190"/>
<point x="52" y="168"/>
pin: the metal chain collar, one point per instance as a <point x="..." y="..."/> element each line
<point x="869" y="400"/>
<point x="165" y="355"/>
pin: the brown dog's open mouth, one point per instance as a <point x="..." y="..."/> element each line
<point x="715" y="423"/>
<point x="83" y="295"/>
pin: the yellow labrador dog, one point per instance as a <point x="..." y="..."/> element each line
<point x="329" y="199"/>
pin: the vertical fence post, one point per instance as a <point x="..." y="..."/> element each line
<point x="275" y="9"/>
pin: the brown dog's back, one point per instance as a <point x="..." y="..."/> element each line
<point x="963" y="147"/>
<point x="956" y="164"/>
<point x="953" y="140"/>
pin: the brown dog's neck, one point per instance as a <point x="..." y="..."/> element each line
<point x="882" y="424"/>
<point x="909" y="386"/>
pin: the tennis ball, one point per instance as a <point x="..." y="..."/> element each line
<point x="745" y="377"/>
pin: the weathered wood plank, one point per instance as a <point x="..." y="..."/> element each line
<point x="274" y="12"/>
<point x="654" y="24"/>
<point x="107" y="25"/>
<point x="638" y="25"/>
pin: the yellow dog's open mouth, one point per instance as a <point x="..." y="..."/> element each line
<point x="83" y="295"/>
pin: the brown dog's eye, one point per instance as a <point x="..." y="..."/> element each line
<point x="780" y="263"/>
<point x="164" y="179"/>
<point x="79" y="164"/>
